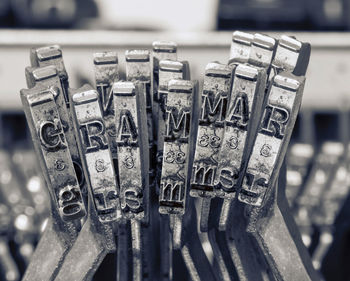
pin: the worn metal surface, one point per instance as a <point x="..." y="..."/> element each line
<point x="103" y="189"/>
<point x="133" y="162"/>
<point x="249" y="226"/>
<point x="95" y="153"/>
<point x="214" y="105"/>
<point x="47" y="127"/>
<point x="267" y="211"/>
<point x="215" y="96"/>
<point x="291" y="55"/>
<point x="259" y="54"/>
<point x="241" y="122"/>
<point x="161" y="50"/>
<point x="138" y="70"/>
<point x="168" y="70"/>
<point x="48" y="77"/>
<point x="45" y="61"/>
<point x="132" y="143"/>
<point x="279" y="116"/>
<point x="51" y="55"/>
<point x="262" y="50"/>
<point x="240" y="47"/>
<point x="106" y="73"/>
<point x="176" y="151"/>
<point x="55" y="161"/>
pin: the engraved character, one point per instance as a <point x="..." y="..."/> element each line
<point x="177" y="124"/>
<point x="172" y="192"/>
<point x="239" y="112"/>
<point x="274" y="121"/>
<point x="227" y="179"/>
<point x="51" y="135"/>
<point x="106" y="97"/>
<point x="132" y="200"/>
<point x="105" y="201"/>
<point x="69" y="200"/>
<point x="203" y="175"/>
<point x="93" y="135"/>
<point x="251" y="185"/>
<point x="213" y="108"/>
<point x="126" y="132"/>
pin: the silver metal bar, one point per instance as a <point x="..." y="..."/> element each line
<point x="280" y="113"/>
<point x="167" y="70"/>
<point x="278" y="120"/>
<point x="240" y="47"/>
<point x="106" y="69"/>
<point x="48" y="77"/>
<point x="174" y="182"/>
<point x="132" y="143"/>
<point x="215" y="97"/>
<point x="260" y="53"/>
<point x="241" y="123"/>
<point x="215" y="100"/>
<point x="161" y="50"/>
<point x="103" y="189"/>
<point x="291" y="55"/>
<point x="106" y="73"/>
<point x="138" y="70"/>
<point x="66" y="200"/>
<point x="51" y="55"/>
<point x="181" y="108"/>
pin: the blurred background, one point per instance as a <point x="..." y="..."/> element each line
<point x="318" y="161"/>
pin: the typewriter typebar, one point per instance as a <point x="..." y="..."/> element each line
<point x="240" y="47"/>
<point x="106" y="73"/>
<point x="67" y="206"/>
<point x="95" y="153"/>
<point x="48" y="132"/>
<point x="138" y="68"/>
<point x="161" y="50"/>
<point x="168" y="70"/>
<point x="262" y="51"/>
<point x="51" y="55"/>
<point x="176" y="157"/>
<point x="275" y="129"/>
<point x="131" y="139"/>
<point x="215" y="98"/>
<point x="240" y="127"/>
<point x="103" y="191"/>
<point x="47" y="77"/>
<point x="291" y="55"/>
